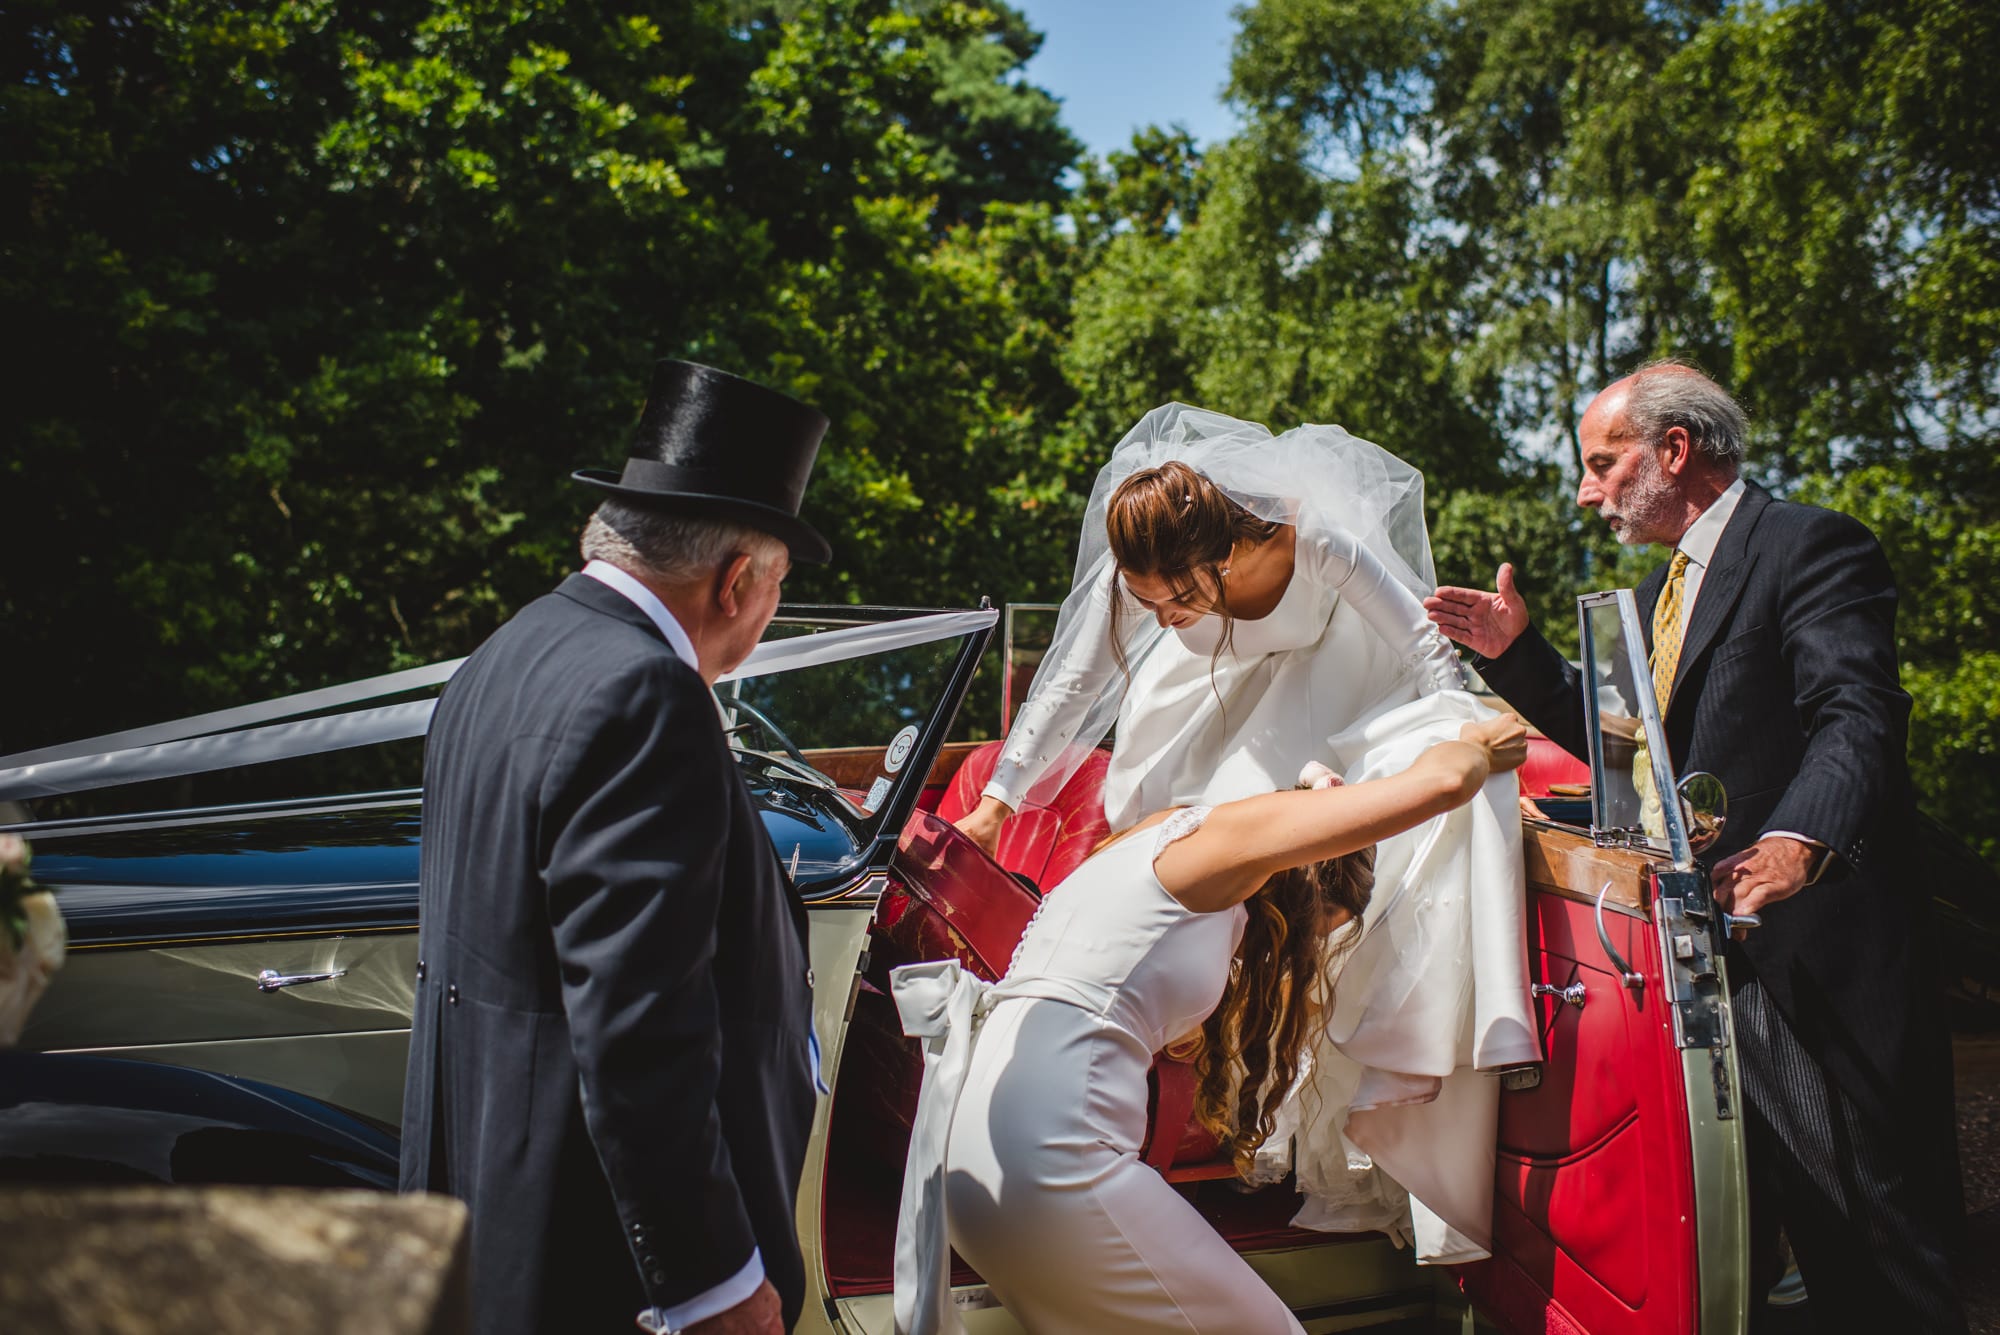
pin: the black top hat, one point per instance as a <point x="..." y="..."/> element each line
<point x="717" y="444"/>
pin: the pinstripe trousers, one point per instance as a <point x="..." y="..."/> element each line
<point x="1861" y="1203"/>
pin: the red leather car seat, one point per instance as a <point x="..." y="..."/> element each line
<point x="1548" y="763"/>
<point x="1043" y="843"/>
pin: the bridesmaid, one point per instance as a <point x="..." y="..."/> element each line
<point x="1209" y="923"/>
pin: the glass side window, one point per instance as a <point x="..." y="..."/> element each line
<point x="1630" y="769"/>
<point x="823" y="719"/>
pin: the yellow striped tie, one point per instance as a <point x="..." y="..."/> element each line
<point x="1667" y="631"/>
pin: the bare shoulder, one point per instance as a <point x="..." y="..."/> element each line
<point x="1203" y="868"/>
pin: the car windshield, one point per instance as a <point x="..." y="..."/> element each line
<point x="855" y="713"/>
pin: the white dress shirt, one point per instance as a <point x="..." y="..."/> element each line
<point x="744" y="1282"/>
<point x="648" y="602"/>
<point x="1699" y="543"/>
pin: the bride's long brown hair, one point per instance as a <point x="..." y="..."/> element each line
<point x="1246" y="1054"/>
<point x="1172" y="523"/>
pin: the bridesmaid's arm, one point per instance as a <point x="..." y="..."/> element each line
<point x="1243" y="844"/>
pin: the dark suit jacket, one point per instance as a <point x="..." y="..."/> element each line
<point x="609" y="1059"/>
<point x="1787" y="691"/>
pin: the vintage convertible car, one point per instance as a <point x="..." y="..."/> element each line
<point x="236" y="1002"/>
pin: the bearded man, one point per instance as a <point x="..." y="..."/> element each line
<point x="1772" y="641"/>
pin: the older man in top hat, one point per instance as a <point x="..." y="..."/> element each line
<point x="612" y="1059"/>
<point x="1773" y="650"/>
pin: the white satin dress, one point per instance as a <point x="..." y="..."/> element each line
<point x="1394" y="1122"/>
<point x="1041" y="1081"/>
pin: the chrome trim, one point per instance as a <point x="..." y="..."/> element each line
<point x="178" y="816"/>
<point x="1575" y="994"/>
<point x="232" y="938"/>
<point x="1635" y="981"/>
<point x="270" y="980"/>
<point x="861" y="888"/>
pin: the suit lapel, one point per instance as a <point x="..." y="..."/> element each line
<point x="1722" y="584"/>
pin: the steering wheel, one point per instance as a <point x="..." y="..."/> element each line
<point x="759" y="719"/>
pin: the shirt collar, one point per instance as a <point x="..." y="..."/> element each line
<point x="648" y="602"/>
<point x="1699" y="542"/>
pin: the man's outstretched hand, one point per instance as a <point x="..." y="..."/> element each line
<point x="1486" y="623"/>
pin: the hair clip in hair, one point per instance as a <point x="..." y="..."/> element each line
<point x="1316" y="775"/>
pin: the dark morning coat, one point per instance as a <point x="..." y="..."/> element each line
<point x="1788" y="692"/>
<point x="609" y="1060"/>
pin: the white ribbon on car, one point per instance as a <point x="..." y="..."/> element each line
<point x="833" y="646"/>
<point x="244" y="716"/>
<point x="250" y="734"/>
<point x="942" y="1004"/>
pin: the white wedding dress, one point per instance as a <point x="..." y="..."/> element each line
<point x="1393" y="1122"/>
<point x="1026" y="1142"/>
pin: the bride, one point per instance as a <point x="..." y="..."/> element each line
<point x="1246" y="604"/>
<point x="1024" y="1150"/>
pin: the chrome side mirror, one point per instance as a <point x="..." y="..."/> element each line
<point x="1704" y="808"/>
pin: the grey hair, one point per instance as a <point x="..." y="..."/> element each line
<point x="1667" y="394"/>
<point x="673" y="548"/>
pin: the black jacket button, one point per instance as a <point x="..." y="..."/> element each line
<point x="420" y="971"/>
<point x="451" y="994"/>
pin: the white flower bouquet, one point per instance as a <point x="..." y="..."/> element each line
<point x="32" y="938"/>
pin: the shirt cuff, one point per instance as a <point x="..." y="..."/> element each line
<point x="996" y="789"/>
<point x="1825" y="853"/>
<point x="737" y="1288"/>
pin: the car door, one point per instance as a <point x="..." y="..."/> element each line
<point x="275" y="944"/>
<point x="1621" y="1197"/>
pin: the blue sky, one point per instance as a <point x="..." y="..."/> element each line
<point x="1120" y="64"/>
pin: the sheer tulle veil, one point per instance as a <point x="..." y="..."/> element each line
<point x="1318" y="477"/>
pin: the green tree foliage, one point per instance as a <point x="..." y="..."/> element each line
<point x="321" y="302"/>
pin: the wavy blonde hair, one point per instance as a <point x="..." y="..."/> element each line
<point x="1246" y="1053"/>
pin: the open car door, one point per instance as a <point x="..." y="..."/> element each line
<point x="1622" y="1205"/>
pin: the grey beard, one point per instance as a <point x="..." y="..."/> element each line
<point x="1650" y="504"/>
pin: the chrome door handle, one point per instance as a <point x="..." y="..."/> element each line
<point x="1635" y="981"/>
<point x="270" y="980"/>
<point x="1574" y="994"/>
<point x="1731" y="921"/>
